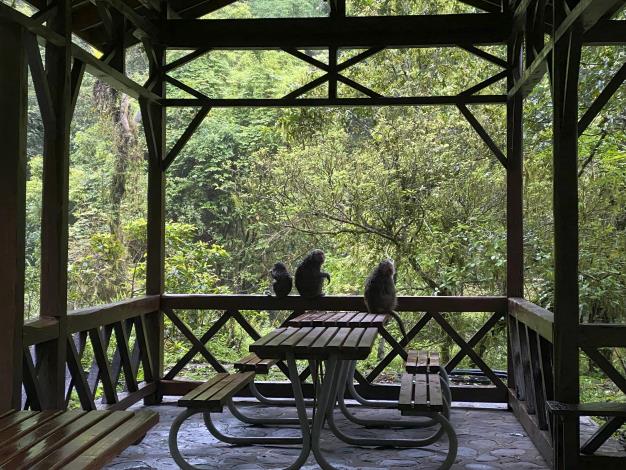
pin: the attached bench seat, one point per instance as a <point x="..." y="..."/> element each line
<point x="69" y="439"/>
<point x="419" y="394"/>
<point x="213" y="395"/>
<point x="254" y="363"/>
<point x="420" y="362"/>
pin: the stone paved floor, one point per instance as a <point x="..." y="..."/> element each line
<point x="488" y="439"/>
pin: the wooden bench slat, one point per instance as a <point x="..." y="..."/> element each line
<point x="205" y="386"/>
<point x="434" y="359"/>
<point x="23" y="427"/>
<point x="353" y="338"/>
<point x="112" y="444"/>
<point x="406" y="391"/>
<point x="214" y="397"/>
<point x="6" y="413"/>
<point x="53" y="441"/>
<point x="233" y="386"/>
<point x="85" y="439"/>
<point x="323" y="339"/>
<point x="356" y="320"/>
<point x="587" y="409"/>
<point x="368" y="337"/>
<point x="254" y="363"/>
<point x="435" y="397"/>
<point x="11" y="449"/>
<point x="279" y="339"/>
<point x="338" y="339"/>
<point x="411" y="360"/>
<point x="15" y="418"/>
<point x="294" y="339"/>
<point x="420" y="393"/>
<point x="209" y="393"/>
<point x="309" y="339"/>
<point x="267" y="338"/>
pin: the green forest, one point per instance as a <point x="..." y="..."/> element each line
<point x="256" y="186"/>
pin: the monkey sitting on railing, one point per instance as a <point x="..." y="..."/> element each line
<point x="380" y="292"/>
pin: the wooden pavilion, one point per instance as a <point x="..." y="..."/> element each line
<point x="541" y="36"/>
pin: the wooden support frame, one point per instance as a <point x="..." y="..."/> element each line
<point x="154" y="117"/>
<point x="54" y="230"/>
<point x="565" y="73"/>
<point x="13" y="103"/>
<point x="338" y="31"/>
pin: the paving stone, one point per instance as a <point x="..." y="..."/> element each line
<point x="488" y="439"/>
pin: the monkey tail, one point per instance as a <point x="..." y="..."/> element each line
<point x="399" y="321"/>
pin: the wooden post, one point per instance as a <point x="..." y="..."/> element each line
<point x="514" y="190"/>
<point x="51" y="356"/>
<point x="565" y="70"/>
<point x="154" y="117"/>
<point x="13" y="112"/>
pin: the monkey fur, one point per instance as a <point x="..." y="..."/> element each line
<point x="380" y="292"/>
<point x="281" y="280"/>
<point x="309" y="275"/>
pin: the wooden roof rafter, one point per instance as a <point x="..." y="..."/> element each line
<point x="586" y="14"/>
<point x="342" y="32"/>
<point x="94" y="66"/>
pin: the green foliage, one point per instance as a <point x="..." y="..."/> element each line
<point x="254" y="186"/>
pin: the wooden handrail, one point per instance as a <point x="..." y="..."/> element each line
<point x="537" y="318"/>
<point x="331" y="302"/>
<point x="84" y="319"/>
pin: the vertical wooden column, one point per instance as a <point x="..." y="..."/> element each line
<point x="51" y="356"/>
<point x="13" y="112"/>
<point x="565" y="70"/>
<point x="514" y="190"/>
<point x="154" y="125"/>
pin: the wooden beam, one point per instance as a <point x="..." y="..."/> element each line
<point x="51" y="356"/>
<point x="483" y="134"/>
<point x="600" y="335"/>
<point x="299" y="102"/>
<point x="13" y="117"/>
<point x="182" y="141"/>
<point x="85" y="319"/>
<point x="486" y="5"/>
<point x="565" y="75"/>
<point x="355" y="32"/>
<point x="330" y="302"/>
<point x="514" y="178"/>
<point x="155" y="262"/>
<point x="537" y="318"/>
<point x="197" y="8"/>
<point x="607" y="33"/>
<point x="584" y="15"/>
<point x="95" y="67"/>
<point x="142" y="23"/>
<point x="602" y="99"/>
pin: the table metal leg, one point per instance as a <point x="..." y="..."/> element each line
<point x="261" y="420"/>
<point x="302" y="416"/>
<point x="274" y="401"/>
<point x="368" y="422"/>
<point x="328" y="395"/>
<point x="236" y="440"/>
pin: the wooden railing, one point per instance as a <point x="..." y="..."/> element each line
<point x="531" y="384"/>
<point x="109" y="329"/>
<point x="427" y="309"/>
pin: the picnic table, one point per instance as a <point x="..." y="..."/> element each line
<point x="335" y="346"/>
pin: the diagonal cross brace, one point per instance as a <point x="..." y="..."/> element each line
<point x="198" y="345"/>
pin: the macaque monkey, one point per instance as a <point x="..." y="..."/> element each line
<point x="309" y="275"/>
<point x="380" y="292"/>
<point x="281" y="280"/>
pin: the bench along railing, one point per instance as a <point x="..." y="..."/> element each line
<point x="530" y="343"/>
<point x="432" y="308"/>
<point x="120" y="347"/>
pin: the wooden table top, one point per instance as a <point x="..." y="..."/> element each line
<point x="351" y="319"/>
<point x="316" y="342"/>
